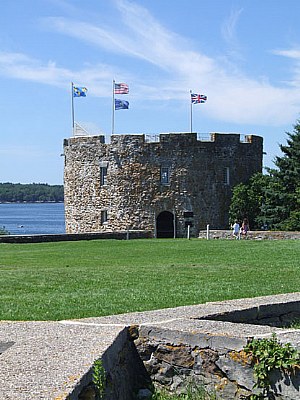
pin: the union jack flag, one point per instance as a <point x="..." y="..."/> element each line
<point x="121" y="88"/>
<point x="198" y="98"/>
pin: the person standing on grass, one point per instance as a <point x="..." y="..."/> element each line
<point x="245" y="228"/>
<point x="236" y="230"/>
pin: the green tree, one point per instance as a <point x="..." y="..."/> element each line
<point x="239" y="208"/>
<point x="248" y="200"/>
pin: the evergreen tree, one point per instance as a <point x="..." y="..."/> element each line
<point x="272" y="200"/>
<point x="282" y="204"/>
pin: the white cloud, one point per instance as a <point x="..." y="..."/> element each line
<point x="17" y="65"/>
<point x="291" y="53"/>
<point x="232" y="49"/>
<point x="20" y="66"/>
<point x="228" y="28"/>
<point x="232" y="95"/>
<point x="294" y="55"/>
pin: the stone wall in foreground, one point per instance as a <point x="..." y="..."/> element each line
<point x="124" y="373"/>
<point x="204" y="352"/>
<point x="217" y="363"/>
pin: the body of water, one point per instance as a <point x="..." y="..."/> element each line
<point x="32" y="218"/>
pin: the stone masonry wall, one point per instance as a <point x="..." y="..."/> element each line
<point x="133" y="194"/>
<point x="202" y="350"/>
<point x="253" y="235"/>
<point x="124" y="373"/>
<point x="117" y="235"/>
<point x="177" y="360"/>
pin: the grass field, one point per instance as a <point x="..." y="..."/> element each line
<point x="51" y="281"/>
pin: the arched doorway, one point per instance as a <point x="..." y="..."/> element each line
<point x="165" y="225"/>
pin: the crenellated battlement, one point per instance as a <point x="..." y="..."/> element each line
<point x="184" y="138"/>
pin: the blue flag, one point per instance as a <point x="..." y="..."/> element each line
<point x="79" y="91"/>
<point x="121" y="104"/>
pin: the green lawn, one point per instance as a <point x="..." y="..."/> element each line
<point x="50" y="281"/>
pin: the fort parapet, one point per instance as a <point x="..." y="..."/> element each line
<point x="166" y="184"/>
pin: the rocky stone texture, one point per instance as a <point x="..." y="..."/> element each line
<point x="255" y="235"/>
<point x="125" y="374"/>
<point x="275" y="315"/>
<point x="187" y="359"/>
<point x="119" y="185"/>
<point x="118" y="235"/>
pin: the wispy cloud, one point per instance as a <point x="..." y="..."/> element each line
<point x="233" y="47"/>
<point x="17" y="65"/>
<point x="156" y="46"/>
<point x="291" y="53"/>
<point x="294" y="55"/>
<point x="20" y="66"/>
<point x="228" y="28"/>
<point x="232" y="95"/>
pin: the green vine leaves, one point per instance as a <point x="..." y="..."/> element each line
<point x="268" y="355"/>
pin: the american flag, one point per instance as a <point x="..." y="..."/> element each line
<point x="121" y="88"/>
<point x="198" y="98"/>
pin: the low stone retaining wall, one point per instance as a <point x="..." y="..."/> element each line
<point x="121" y="235"/>
<point x="124" y="373"/>
<point x="276" y="315"/>
<point x="136" y="234"/>
<point x="204" y="357"/>
<point x="255" y="235"/>
<point x="205" y="350"/>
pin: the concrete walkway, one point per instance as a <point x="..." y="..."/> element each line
<point x="46" y="360"/>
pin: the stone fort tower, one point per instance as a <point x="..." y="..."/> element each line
<point x="162" y="185"/>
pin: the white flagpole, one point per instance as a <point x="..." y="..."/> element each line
<point x="113" y="110"/>
<point x="191" y="119"/>
<point x="73" y="121"/>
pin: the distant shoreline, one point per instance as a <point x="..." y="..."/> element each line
<point x="30" y="202"/>
<point x="11" y="193"/>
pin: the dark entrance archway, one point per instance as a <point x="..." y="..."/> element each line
<point x="165" y="225"/>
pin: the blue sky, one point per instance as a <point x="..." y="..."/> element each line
<point x="243" y="54"/>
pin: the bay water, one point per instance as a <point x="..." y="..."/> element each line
<point x="32" y="218"/>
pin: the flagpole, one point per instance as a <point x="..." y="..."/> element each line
<point x="113" y="109"/>
<point x="191" y="113"/>
<point x="72" y="94"/>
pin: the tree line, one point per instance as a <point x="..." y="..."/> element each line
<point x="272" y="200"/>
<point x="30" y="193"/>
